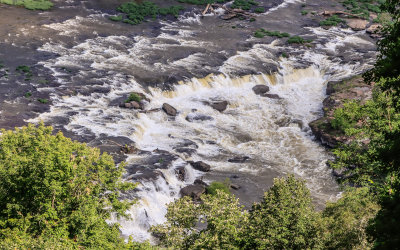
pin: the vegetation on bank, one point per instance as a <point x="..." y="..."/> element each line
<point x="30" y="4"/>
<point x="284" y="219"/>
<point x="260" y="33"/>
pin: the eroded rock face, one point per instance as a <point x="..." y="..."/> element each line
<point x="374" y="28"/>
<point x="260" y="89"/>
<point x="169" y="110"/>
<point x="339" y="93"/>
<point x="357" y="24"/>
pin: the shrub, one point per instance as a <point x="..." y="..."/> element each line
<point x="43" y="100"/>
<point x="259" y="10"/>
<point x="133" y="97"/>
<point x="221" y="186"/>
<point x="331" y="21"/>
<point x="297" y="40"/>
<point x="304" y="12"/>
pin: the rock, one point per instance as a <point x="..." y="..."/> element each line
<point x="169" y="109"/>
<point x="235" y="176"/>
<point x="187" y="151"/>
<point x="201" y="166"/>
<point x="260" y="89"/>
<point x="200" y="182"/>
<point x="272" y="96"/>
<point x="194" y="191"/>
<point x="128" y="105"/>
<point x="220" y="106"/>
<point x="135" y="105"/>
<point x="198" y="117"/>
<point x="298" y="122"/>
<point x="180" y="172"/>
<point x="374" y="28"/>
<point x="235" y="186"/>
<point x="357" y="24"/>
<point x="239" y="159"/>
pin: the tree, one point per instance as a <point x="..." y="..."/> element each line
<point x="285" y="218"/>
<point x="220" y="215"/>
<point x="54" y="188"/>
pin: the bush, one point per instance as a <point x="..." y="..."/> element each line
<point x="133" y="97"/>
<point x="259" y="10"/>
<point x="331" y="21"/>
<point x="298" y="40"/>
<point x="221" y="186"/>
<point x="54" y="189"/>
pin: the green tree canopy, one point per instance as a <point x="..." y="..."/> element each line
<point x="58" y="189"/>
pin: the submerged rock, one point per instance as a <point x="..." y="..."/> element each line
<point x="198" y="117"/>
<point x="181" y="173"/>
<point x="260" y="89"/>
<point x="239" y="159"/>
<point x="201" y="166"/>
<point x="272" y="96"/>
<point x="169" y="110"/>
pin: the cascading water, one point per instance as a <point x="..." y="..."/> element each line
<point x="272" y="132"/>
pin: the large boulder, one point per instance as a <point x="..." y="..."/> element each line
<point x="169" y="109"/>
<point x="260" y="89"/>
<point x="220" y="106"/>
<point x="201" y="166"/>
<point x="357" y="24"/>
<point x="194" y="191"/>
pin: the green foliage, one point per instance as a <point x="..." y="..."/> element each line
<point x="260" y="33"/>
<point x="298" y="40"/>
<point x="304" y="12"/>
<point x="331" y="21"/>
<point x="244" y="4"/>
<point x="202" y="2"/>
<point x="223" y="217"/>
<point x="372" y="157"/>
<point x="31" y="4"/>
<point x="363" y="7"/>
<point x="43" y="100"/>
<point x="56" y="192"/>
<point x="28" y="94"/>
<point x="23" y="68"/>
<point x="133" y="97"/>
<point x="347" y="219"/>
<point x="259" y="10"/>
<point x="135" y="13"/>
<point x="285" y="219"/>
<point x="221" y="186"/>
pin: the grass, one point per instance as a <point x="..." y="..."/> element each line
<point x="23" y="68"/>
<point x="331" y="21"/>
<point x="133" y="97"/>
<point x="30" y="4"/>
<point x="260" y="33"/>
<point x="304" y="12"/>
<point x="28" y="94"/>
<point x="135" y="13"/>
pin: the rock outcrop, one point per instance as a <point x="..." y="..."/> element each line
<point x="260" y="89"/>
<point x="201" y="166"/>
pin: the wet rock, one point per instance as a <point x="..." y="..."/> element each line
<point x="180" y="172"/>
<point x="200" y="182"/>
<point x="239" y="159"/>
<point x="220" y="106"/>
<point x="194" y="191"/>
<point x="235" y="176"/>
<point x="235" y="186"/>
<point x="201" y="166"/>
<point x="198" y="117"/>
<point x="186" y="143"/>
<point x="260" y="89"/>
<point x="272" y="96"/>
<point x="135" y="105"/>
<point x="187" y="151"/>
<point x="169" y="110"/>
<point x="374" y="30"/>
<point x="357" y="24"/>
<point x="298" y="122"/>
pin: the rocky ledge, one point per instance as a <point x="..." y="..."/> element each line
<point x="339" y="93"/>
